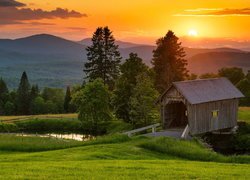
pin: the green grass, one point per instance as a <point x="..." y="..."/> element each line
<point x="244" y="114"/>
<point x="118" y="157"/>
<point x="32" y="144"/>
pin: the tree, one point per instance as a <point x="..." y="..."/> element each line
<point x="9" y="108"/>
<point x="234" y="74"/>
<point x="132" y="67"/>
<point x="4" y="92"/>
<point x="244" y="87"/>
<point x="67" y="100"/>
<point x="248" y="75"/>
<point x="103" y="57"/>
<point x="142" y="108"/>
<point x="34" y="92"/>
<point x="93" y="106"/>
<point x="55" y="96"/>
<point x="38" y="106"/>
<point x="23" y="96"/>
<point x="192" y="76"/>
<point x="168" y="61"/>
<point x="208" y="75"/>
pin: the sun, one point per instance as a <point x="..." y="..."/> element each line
<point x="192" y="32"/>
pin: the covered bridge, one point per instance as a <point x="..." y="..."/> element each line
<point x="200" y="105"/>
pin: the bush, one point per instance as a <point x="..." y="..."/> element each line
<point x="241" y="140"/>
<point x="8" y="128"/>
<point x="50" y="126"/>
<point x="190" y="150"/>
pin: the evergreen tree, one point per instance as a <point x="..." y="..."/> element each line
<point x="23" y="96"/>
<point x="168" y="61"/>
<point x="67" y="100"/>
<point x="103" y="57"/>
<point x="34" y="92"/>
<point x="132" y="67"/>
<point x="3" y="95"/>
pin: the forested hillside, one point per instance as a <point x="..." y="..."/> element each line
<point x="55" y="62"/>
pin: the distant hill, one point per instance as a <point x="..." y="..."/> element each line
<point x="122" y="44"/>
<point x="57" y="62"/>
<point x="212" y="61"/>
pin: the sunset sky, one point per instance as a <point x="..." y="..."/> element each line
<point x="140" y="21"/>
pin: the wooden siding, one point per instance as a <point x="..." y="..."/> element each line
<point x="201" y="120"/>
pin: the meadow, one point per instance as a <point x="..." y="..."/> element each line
<point x="117" y="157"/>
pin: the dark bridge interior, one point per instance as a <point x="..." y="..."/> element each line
<point x="175" y="115"/>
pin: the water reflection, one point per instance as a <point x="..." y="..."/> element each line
<point x="77" y="137"/>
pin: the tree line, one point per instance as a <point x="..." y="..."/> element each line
<point x="112" y="90"/>
<point x="128" y="90"/>
<point x="29" y="100"/>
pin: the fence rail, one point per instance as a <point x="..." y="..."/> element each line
<point x="153" y="127"/>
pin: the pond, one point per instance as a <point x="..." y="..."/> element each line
<point x="77" y="137"/>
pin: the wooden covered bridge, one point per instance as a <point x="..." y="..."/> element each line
<point x="200" y="105"/>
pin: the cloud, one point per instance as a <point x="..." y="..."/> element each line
<point x="13" y="14"/>
<point x="216" y="12"/>
<point x="77" y="28"/>
<point x="11" y="3"/>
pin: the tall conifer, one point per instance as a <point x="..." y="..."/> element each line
<point x="23" y="95"/>
<point x="168" y="61"/>
<point x="103" y="57"/>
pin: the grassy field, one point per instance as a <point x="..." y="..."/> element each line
<point x="44" y="116"/>
<point x="117" y="157"/>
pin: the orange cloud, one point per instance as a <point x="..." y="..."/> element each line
<point x="216" y="12"/>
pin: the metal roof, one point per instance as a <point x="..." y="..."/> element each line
<point x="207" y="90"/>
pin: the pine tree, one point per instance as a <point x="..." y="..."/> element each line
<point x="3" y="95"/>
<point x="103" y="57"/>
<point x="67" y="100"/>
<point x="23" y="95"/>
<point x="168" y="61"/>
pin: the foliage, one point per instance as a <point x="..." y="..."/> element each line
<point x="168" y="61"/>
<point x="8" y="128"/>
<point x="234" y="74"/>
<point x="38" y="106"/>
<point x="142" y="108"/>
<point x="67" y="100"/>
<point x="9" y="108"/>
<point x="3" y="95"/>
<point x="103" y="57"/>
<point x="192" y="76"/>
<point x="241" y="140"/>
<point x="54" y="98"/>
<point x="130" y="69"/>
<point x="93" y="106"/>
<point x="208" y="75"/>
<point x="23" y="95"/>
<point x="50" y="126"/>
<point x="244" y="87"/>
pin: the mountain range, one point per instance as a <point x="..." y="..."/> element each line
<point x="56" y="62"/>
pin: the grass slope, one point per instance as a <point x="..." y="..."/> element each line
<point x="119" y="157"/>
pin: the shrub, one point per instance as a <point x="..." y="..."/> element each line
<point x="8" y="128"/>
<point x="50" y="126"/>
